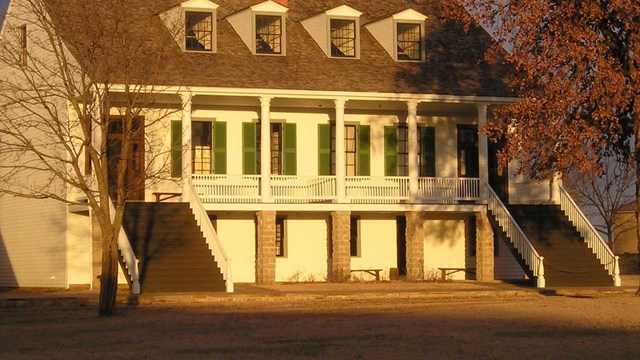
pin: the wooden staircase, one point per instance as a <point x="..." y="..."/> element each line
<point x="568" y="261"/>
<point x="172" y="252"/>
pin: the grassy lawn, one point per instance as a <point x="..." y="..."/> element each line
<point x="606" y="327"/>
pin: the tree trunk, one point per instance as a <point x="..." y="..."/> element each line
<point x="109" y="275"/>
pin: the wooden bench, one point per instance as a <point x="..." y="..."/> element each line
<point x="168" y="195"/>
<point x="445" y="271"/>
<point x="373" y="272"/>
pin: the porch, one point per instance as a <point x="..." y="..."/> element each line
<point x="242" y="189"/>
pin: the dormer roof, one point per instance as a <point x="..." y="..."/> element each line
<point x="454" y="64"/>
<point x="343" y="10"/>
<point x="199" y="4"/>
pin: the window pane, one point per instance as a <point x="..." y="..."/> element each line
<point x="353" y="238"/>
<point x="279" y="236"/>
<point x="201" y="147"/>
<point x="268" y="34"/>
<point x="343" y="38"/>
<point x="409" y="42"/>
<point x="199" y="31"/>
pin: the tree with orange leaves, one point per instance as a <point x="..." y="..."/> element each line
<point x="578" y="71"/>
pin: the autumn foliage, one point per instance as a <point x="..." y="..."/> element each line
<point x="578" y="73"/>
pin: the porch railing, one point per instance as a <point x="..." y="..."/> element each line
<point x="591" y="236"/>
<point x="319" y="189"/>
<point x="517" y="237"/>
<point x="303" y="189"/>
<point x="376" y="190"/>
<point x="210" y="235"/>
<point x="127" y="253"/>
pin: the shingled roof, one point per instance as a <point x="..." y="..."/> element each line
<point x="454" y="63"/>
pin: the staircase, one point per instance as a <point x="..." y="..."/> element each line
<point x="568" y="261"/>
<point x="172" y="252"/>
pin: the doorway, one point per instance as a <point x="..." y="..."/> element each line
<point x="498" y="180"/>
<point x="118" y="136"/>
<point x="401" y="244"/>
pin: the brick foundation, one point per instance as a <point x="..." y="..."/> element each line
<point x="484" y="248"/>
<point x="340" y="245"/>
<point x="415" y="246"/>
<point x="266" y="247"/>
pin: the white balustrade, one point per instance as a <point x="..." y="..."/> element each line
<point x="517" y="237"/>
<point x="376" y="190"/>
<point x="590" y="234"/>
<point x="315" y="189"/>
<point x="210" y="235"/>
<point x="127" y="253"/>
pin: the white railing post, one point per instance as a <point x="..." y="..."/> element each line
<point x="187" y="98"/>
<point x="616" y="272"/>
<point x="414" y="173"/>
<point x="483" y="153"/>
<point x="265" y="149"/>
<point x="340" y="148"/>
<point x="541" y="283"/>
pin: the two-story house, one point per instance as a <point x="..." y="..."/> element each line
<point x="321" y="141"/>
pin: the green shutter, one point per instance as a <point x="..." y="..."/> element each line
<point x="249" y="151"/>
<point x="220" y="148"/>
<point x="390" y="151"/>
<point x="176" y="149"/>
<point x="324" y="149"/>
<point x="364" y="150"/>
<point x="289" y="146"/>
<point x="428" y="151"/>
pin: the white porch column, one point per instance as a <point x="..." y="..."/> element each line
<point x="340" y="148"/>
<point x="187" y="98"/>
<point x="483" y="153"/>
<point x="265" y="148"/>
<point x="414" y="173"/>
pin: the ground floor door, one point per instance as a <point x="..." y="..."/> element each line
<point x="401" y="240"/>
<point x="121" y="134"/>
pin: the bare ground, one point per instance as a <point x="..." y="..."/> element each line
<point x="532" y="327"/>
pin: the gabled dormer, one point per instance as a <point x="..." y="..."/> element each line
<point x="336" y="31"/>
<point x="402" y="35"/>
<point x="262" y="28"/>
<point x="193" y="25"/>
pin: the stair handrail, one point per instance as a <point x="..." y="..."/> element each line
<point x="210" y="235"/>
<point x="591" y="236"/>
<point x="517" y="237"/>
<point x="127" y="253"/>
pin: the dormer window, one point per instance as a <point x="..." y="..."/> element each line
<point x="401" y="35"/>
<point x="268" y="34"/>
<point x="343" y="38"/>
<point x="409" y="41"/>
<point x="336" y="31"/>
<point x="198" y="31"/>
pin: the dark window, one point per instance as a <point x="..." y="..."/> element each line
<point x="343" y="38"/>
<point x="280" y="244"/>
<point x="409" y="41"/>
<point x="350" y="149"/>
<point x="468" y="161"/>
<point x="354" y="240"/>
<point x="202" y="147"/>
<point x="276" y="148"/>
<point x="198" y="31"/>
<point x="268" y="34"/>
<point x="22" y="38"/>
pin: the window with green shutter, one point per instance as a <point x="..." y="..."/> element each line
<point x="390" y="151"/>
<point x="176" y="149"/>
<point x="220" y="147"/>
<point x="324" y="149"/>
<point x="249" y="151"/>
<point x="427" y="151"/>
<point x="364" y="150"/>
<point x="290" y="144"/>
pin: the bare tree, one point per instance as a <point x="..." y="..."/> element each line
<point x="76" y="107"/>
<point x="601" y="195"/>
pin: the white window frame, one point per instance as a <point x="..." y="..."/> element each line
<point x="357" y="39"/>
<point x="283" y="35"/>
<point x="422" y="40"/>
<point x="214" y="30"/>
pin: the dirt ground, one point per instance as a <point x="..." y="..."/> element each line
<point x="532" y="327"/>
